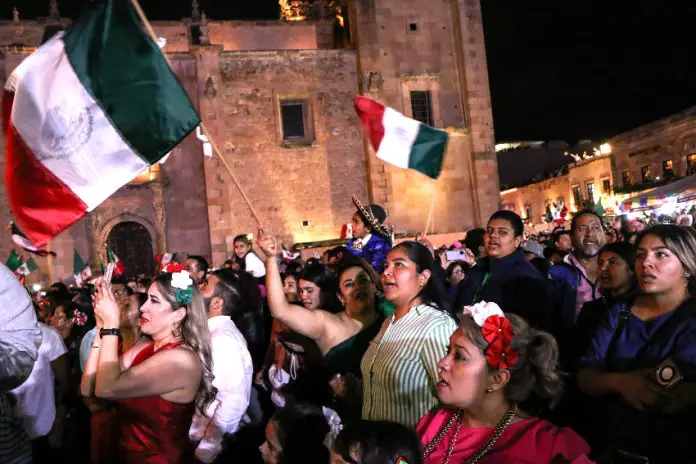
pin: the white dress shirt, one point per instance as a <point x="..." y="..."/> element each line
<point x="233" y="373"/>
<point x="36" y="402"/>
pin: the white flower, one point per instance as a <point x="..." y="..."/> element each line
<point x="182" y="280"/>
<point x="482" y="311"/>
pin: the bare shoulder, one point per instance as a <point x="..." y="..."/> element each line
<point x="183" y="357"/>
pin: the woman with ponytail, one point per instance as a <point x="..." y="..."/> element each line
<point x="157" y="384"/>
<point x="496" y="365"/>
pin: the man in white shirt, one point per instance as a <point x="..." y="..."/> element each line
<point x="232" y="368"/>
<point x="35" y="398"/>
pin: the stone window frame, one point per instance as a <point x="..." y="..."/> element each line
<point x="577" y="197"/>
<point x="426" y="83"/>
<point x="626" y="177"/>
<point x="308" y="113"/>
<point x="590" y="189"/>
<point x="646" y="173"/>
<point x="602" y="181"/>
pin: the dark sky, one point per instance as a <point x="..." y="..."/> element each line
<point x="559" y="69"/>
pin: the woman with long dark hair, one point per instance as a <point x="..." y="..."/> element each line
<point x="400" y="366"/>
<point x="641" y="363"/>
<point x="159" y="382"/>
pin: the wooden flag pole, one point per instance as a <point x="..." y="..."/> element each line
<point x="153" y="36"/>
<point x="430" y="214"/>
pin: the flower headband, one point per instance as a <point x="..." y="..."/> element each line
<point x="183" y="284"/>
<point x="497" y="331"/>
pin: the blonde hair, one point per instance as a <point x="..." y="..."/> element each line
<point x="195" y="333"/>
<point x="536" y="374"/>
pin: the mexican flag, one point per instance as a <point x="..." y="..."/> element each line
<point x="27" y="267"/>
<point x="401" y="141"/>
<point x="81" y="271"/>
<point x="21" y="240"/>
<point x="14" y="261"/>
<point x="111" y="257"/>
<point x="84" y="114"/>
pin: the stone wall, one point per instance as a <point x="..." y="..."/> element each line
<point x="287" y="184"/>
<point x="672" y="138"/>
<point x="403" y="47"/>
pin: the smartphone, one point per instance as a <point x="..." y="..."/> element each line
<point x="455" y="255"/>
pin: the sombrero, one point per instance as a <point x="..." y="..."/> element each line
<point x="374" y="216"/>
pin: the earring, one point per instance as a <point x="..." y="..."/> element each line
<point x="489" y="390"/>
<point x="687" y="275"/>
<point x="176" y="332"/>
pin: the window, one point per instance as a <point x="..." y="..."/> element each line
<point x="691" y="163"/>
<point x="606" y="185"/>
<point x="667" y="170"/>
<point x="626" y="178"/>
<point x="528" y="212"/>
<point x="295" y="121"/>
<point x="590" y="191"/>
<point x="413" y="27"/>
<point x="577" y="196"/>
<point x="645" y="174"/>
<point x="422" y="106"/>
<point x="195" y="31"/>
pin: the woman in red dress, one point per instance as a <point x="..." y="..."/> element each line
<point x="495" y="363"/>
<point x="158" y="383"/>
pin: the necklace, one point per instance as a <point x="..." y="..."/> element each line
<point x="457" y="418"/>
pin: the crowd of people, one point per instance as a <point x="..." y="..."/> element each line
<point x="577" y="346"/>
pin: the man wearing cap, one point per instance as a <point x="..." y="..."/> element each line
<point x="371" y="238"/>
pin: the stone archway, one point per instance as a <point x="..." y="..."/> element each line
<point x="132" y="243"/>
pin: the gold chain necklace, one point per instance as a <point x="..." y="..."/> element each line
<point x="457" y="418"/>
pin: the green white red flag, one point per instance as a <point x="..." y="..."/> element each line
<point x="111" y="257"/>
<point x="402" y="141"/>
<point x="84" y="114"/>
<point x="81" y="271"/>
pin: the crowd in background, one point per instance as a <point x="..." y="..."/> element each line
<point x="577" y="345"/>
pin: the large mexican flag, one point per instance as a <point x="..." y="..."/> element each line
<point x="402" y="141"/>
<point x="84" y="114"/>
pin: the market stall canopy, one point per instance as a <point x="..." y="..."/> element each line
<point x="675" y="192"/>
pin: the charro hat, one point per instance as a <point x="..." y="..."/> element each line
<point x="374" y="216"/>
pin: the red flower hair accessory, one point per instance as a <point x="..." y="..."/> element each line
<point x="497" y="331"/>
<point x="173" y="267"/>
<point x="80" y="319"/>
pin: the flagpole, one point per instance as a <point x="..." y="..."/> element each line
<point x="206" y="132"/>
<point x="430" y="213"/>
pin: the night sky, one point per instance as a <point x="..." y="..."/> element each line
<point x="559" y="70"/>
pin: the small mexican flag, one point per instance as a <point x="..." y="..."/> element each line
<point x="401" y="141"/>
<point x="81" y="271"/>
<point x="21" y="240"/>
<point x="84" y="114"/>
<point x="27" y="267"/>
<point x="14" y="261"/>
<point x="111" y="257"/>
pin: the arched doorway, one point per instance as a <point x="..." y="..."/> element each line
<point x="133" y="245"/>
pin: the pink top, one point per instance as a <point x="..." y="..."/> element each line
<point x="532" y="441"/>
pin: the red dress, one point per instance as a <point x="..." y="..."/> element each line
<point x="153" y="430"/>
<point x="529" y="441"/>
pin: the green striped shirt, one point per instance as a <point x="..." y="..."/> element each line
<point x="400" y="366"/>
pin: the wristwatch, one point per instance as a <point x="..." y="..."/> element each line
<point x="116" y="332"/>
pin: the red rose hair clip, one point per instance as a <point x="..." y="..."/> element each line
<point x="498" y="333"/>
<point x="173" y="267"/>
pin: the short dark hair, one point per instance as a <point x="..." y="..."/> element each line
<point x="557" y="235"/>
<point x="302" y="429"/>
<point x="582" y="213"/>
<point x="334" y="252"/>
<point x="242" y="302"/>
<point x="377" y="442"/>
<point x="201" y="262"/>
<point x="513" y="218"/>
<point x="474" y="240"/>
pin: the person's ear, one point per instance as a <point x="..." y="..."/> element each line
<point x="497" y="380"/>
<point x="424" y="277"/>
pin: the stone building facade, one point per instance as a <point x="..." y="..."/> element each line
<point x="656" y="152"/>
<point x="589" y="179"/>
<point x="277" y="98"/>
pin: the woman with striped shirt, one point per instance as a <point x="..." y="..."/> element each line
<point x="400" y="366"/>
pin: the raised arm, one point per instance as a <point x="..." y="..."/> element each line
<point x="309" y="323"/>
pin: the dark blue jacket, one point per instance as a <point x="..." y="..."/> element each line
<point x="514" y="284"/>
<point x="374" y="252"/>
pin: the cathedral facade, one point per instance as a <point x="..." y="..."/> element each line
<point x="277" y="99"/>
